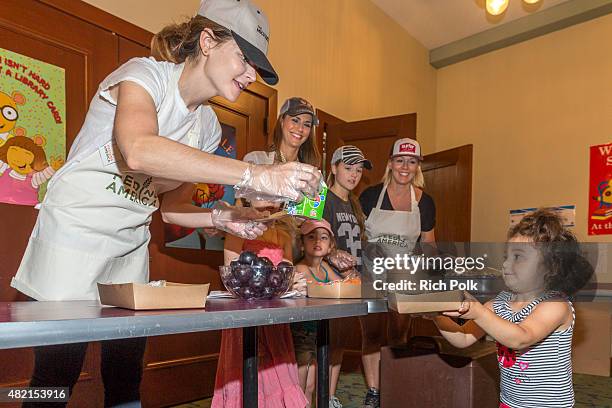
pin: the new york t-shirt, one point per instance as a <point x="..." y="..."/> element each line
<point x="346" y="229"/>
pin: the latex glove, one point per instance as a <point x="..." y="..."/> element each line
<point x="279" y="182"/>
<point x="237" y="220"/>
<point x="299" y="283"/>
<point x="341" y="260"/>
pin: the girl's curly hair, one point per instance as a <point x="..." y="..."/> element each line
<point x="567" y="269"/>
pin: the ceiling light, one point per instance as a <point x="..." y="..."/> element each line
<point x="531" y="1"/>
<point x="496" y="7"/>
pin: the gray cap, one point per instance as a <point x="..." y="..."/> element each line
<point x="250" y="29"/>
<point x="297" y="106"/>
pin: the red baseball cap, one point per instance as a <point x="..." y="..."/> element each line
<point x="406" y="147"/>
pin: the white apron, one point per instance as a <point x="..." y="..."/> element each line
<point x="390" y="233"/>
<point x="397" y="231"/>
<point x="92" y="227"/>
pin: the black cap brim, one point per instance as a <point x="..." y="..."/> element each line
<point x="258" y="59"/>
<point x="366" y="163"/>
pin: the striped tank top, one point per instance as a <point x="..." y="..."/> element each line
<point x="541" y="375"/>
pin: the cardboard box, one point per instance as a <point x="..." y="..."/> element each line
<point x="426" y="302"/>
<point x="140" y="296"/>
<point x="336" y="290"/>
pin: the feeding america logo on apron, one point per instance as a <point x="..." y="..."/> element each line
<point x="134" y="188"/>
<point x="137" y="188"/>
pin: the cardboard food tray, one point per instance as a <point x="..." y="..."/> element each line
<point x="140" y="296"/>
<point x="426" y="302"/>
<point x="336" y="290"/>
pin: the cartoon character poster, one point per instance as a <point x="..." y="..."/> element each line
<point x="600" y="190"/>
<point x="32" y="126"/>
<point x="206" y="196"/>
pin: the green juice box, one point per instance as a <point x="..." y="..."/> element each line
<point x="309" y="207"/>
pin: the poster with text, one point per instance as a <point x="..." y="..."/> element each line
<point x="32" y="126"/>
<point x="600" y="190"/>
<point x="206" y="196"/>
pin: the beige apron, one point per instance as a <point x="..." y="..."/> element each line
<point x="390" y="233"/>
<point x="397" y="231"/>
<point x="92" y="227"/>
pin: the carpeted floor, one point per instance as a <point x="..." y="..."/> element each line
<point x="591" y="392"/>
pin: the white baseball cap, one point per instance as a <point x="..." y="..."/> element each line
<point x="406" y="147"/>
<point x="249" y="27"/>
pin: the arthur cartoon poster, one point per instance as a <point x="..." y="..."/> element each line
<point x="32" y="126"/>
<point x="600" y="190"/>
<point x="206" y="196"/>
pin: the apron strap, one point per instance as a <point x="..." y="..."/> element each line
<point x="381" y="196"/>
<point x="413" y="202"/>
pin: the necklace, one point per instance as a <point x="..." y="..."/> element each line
<point x="282" y="157"/>
<point x="326" y="280"/>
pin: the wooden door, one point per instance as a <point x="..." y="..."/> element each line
<point x="448" y="179"/>
<point x="374" y="137"/>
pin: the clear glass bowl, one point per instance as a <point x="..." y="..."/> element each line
<point x="256" y="282"/>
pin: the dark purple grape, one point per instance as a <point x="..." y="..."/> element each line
<point x="266" y="261"/>
<point x="246" y="293"/>
<point x="234" y="264"/>
<point x="257" y="283"/>
<point x="268" y="292"/>
<point x="247" y="258"/>
<point x="243" y="273"/>
<point x="261" y="271"/>
<point x="275" y="279"/>
<point x="234" y="283"/>
<point x="285" y="270"/>
<point x="262" y="262"/>
<point x="284" y="263"/>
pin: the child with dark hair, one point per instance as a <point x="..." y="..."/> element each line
<point x="533" y="320"/>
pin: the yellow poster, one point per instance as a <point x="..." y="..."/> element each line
<point x="32" y="126"/>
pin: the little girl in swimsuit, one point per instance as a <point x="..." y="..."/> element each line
<point x="318" y="242"/>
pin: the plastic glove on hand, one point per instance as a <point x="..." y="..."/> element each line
<point x="238" y="220"/>
<point x="279" y="182"/>
<point x="341" y="260"/>
<point x="300" y="284"/>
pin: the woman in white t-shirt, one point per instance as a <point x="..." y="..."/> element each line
<point x="149" y="130"/>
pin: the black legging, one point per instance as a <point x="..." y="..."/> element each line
<point x="60" y="366"/>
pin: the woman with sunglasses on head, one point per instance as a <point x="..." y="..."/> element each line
<point x="293" y="138"/>
<point x="399" y="214"/>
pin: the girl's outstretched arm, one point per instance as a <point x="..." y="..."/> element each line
<point x="547" y="317"/>
<point x="459" y="336"/>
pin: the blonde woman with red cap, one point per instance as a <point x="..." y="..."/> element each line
<point x="149" y="130"/>
<point x="399" y="214"/>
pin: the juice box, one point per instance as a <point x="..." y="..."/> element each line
<point x="308" y="207"/>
